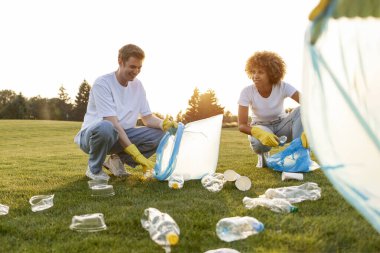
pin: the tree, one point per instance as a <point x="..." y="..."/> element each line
<point x="81" y="101"/>
<point x="208" y="105"/>
<point x="192" y="110"/>
<point x="15" y="109"/>
<point x="202" y="106"/>
<point x="6" y="96"/>
<point x="63" y="104"/>
<point x="38" y="108"/>
<point x="179" y="117"/>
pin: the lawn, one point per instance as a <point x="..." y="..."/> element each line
<point x="39" y="157"/>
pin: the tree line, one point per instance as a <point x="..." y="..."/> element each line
<point x="16" y="106"/>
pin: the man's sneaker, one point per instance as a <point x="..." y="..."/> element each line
<point x="100" y="176"/>
<point x="116" y="166"/>
<point x="261" y="159"/>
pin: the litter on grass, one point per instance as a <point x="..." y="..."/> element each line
<point x="276" y="205"/>
<point x="291" y="176"/>
<point x="222" y="250"/>
<point x="4" y="209"/>
<point x="243" y="183"/>
<point x="41" y="202"/>
<point x="294" y="194"/>
<point x="213" y="182"/>
<point x="162" y="229"/>
<point x="88" y="223"/>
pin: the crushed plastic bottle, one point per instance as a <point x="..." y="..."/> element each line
<point x="213" y="182"/>
<point x="294" y="194"/>
<point x="176" y="181"/>
<point x="276" y="205"/>
<point x="237" y="228"/>
<point x="161" y="227"/>
<point x="222" y="250"/>
<point x="4" y="209"/>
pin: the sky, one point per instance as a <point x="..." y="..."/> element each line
<point x="46" y="44"/>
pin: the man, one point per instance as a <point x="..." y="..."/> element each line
<point x="116" y="101"/>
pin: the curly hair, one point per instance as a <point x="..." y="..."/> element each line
<point x="273" y="64"/>
<point x="131" y="50"/>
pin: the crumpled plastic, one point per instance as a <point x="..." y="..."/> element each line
<point x="276" y="205"/>
<point x="295" y="194"/>
<point x="213" y="182"/>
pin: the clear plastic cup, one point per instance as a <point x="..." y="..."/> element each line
<point x="283" y="140"/>
<point x="88" y="223"/>
<point x="94" y="182"/>
<point x="4" y="209"/>
<point x="102" y="190"/>
<point x="41" y="202"/>
<point x="243" y="183"/>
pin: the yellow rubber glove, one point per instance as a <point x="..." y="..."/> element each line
<point x="266" y="138"/>
<point x="304" y="141"/>
<point x="138" y="157"/>
<point x="167" y="124"/>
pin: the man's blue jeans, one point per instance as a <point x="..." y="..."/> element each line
<point x="102" y="139"/>
<point x="290" y="126"/>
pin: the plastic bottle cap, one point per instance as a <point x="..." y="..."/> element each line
<point x="293" y="209"/>
<point x="260" y="227"/>
<point x="172" y="238"/>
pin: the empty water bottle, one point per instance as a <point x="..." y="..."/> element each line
<point x="276" y="205"/>
<point x="237" y="228"/>
<point x="176" y="181"/>
<point x="161" y="227"/>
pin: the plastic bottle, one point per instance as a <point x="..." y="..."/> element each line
<point x="176" y="181"/>
<point x="276" y="205"/>
<point x="237" y="228"/>
<point x="161" y="227"/>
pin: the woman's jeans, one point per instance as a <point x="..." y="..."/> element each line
<point x="101" y="139"/>
<point x="290" y="126"/>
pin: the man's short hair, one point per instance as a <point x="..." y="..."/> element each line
<point x="131" y="50"/>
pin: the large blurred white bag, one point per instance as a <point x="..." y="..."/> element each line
<point x="192" y="152"/>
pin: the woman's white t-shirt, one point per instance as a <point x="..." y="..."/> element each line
<point x="109" y="98"/>
<point x="266" y="109"/>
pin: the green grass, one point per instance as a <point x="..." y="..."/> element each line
<point x="39" y="157"/>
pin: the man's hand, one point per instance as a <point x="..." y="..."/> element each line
<point x="304" y="141"/>
<point x="266" y="138"/>
<point x="167" y="124"/>
<point x="138" y="157"/>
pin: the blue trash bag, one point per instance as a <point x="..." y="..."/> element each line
<point x="295" y="158"/>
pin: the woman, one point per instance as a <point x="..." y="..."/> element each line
<point x="266" y="98"/>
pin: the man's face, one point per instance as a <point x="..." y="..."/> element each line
<point x="129" y="69"/>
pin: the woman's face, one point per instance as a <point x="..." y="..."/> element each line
<point x="260" y="77"/>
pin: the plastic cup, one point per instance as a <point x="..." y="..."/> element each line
<point x="290" y="175"/>
<point x="88" y="223"/>
<point x="243" y="183"/>
<point x="283" y="140"/>
<point x="4" y="209"/>
<point x="231" y="175"/>
<point x="102" y="190"/>
<point x="94" y="182"/>
<point x="41" y="202"/>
